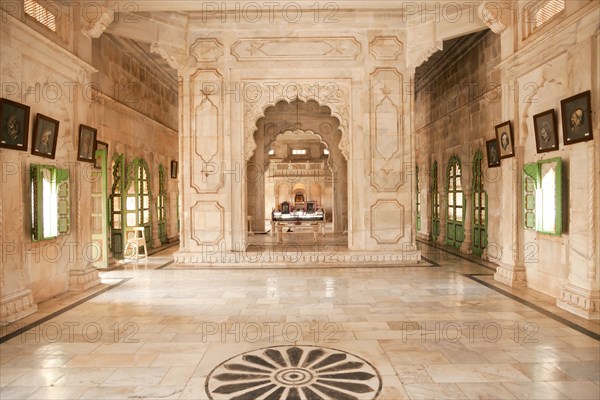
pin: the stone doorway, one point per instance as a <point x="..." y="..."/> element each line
<point x="297" y="156"/>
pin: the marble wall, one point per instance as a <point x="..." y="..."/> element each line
<point x="56" y="76"/>
<point x="458" y="103"/>
<point x="505" y="76"/>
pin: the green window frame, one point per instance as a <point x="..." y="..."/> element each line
<point x="435" y="202"/>
<point x="160" y="206"/>
<point x="50" y="202"/>
<point x="480" y="207"/>
<point x="542" y="196"/>
<point x="455" y="209"/>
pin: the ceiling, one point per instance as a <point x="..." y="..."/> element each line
<point x="181" y="10"/>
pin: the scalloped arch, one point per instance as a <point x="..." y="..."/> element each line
<point x="254" y="113"/>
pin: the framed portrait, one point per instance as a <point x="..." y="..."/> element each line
<point x="87" y="144"/>
<point x="546" y="134"/>
<point x="97" y="160"/>
<point x="493" y="153"/>
<point x="504" y="135"/>
<point x="14" y="125"/>
<point x="577" y="118"/>
<point x="45" y="136"/>
<point x="174" y="169"/>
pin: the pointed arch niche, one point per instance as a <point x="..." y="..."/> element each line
<point x="298" y="155"/>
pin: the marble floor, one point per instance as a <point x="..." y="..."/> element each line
<point x="156" y="330"/>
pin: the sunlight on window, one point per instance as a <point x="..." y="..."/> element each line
<point x="50" y="204"/>
<point x="547" y="11"/>
<point x="547" y="195"/>
<point x="41" y="14"/>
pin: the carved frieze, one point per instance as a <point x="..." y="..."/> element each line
<point x="297" y="48"/>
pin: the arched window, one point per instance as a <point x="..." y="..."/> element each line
<point x="435" y="202"/>
<point x="480" y="202"/>
<point x="138" y="198"/>
<point x="455" y="233"/>
<point x="160" y="206"/>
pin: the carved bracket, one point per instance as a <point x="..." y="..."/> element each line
<point x="176" y="58"/>
<point x="495" y="14"/>
<point x="96" y="29"/>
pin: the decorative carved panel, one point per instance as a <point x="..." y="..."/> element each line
<point x="386" y="48"/>
<point x="386" y="130"/>
<point x="299" y="48"/>
<point x="387" y="221"/>
<point x="206" y="146"/>
<point x="207" y="222"/>
<point x="208" y="49"/>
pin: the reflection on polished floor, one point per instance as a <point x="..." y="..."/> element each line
<point x="442" y="332"/>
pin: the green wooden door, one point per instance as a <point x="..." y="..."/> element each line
<point x="435" y="202"/>
<point x="160" y="206"/>
<point x="480" y="209"/>
<point x="116" y="202"/>
<point x="455" y="233"/>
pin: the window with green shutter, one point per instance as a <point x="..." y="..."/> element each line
<point x="542" y="196"/>
<point x="50" y="202"/>
<point x="529" y="189"/>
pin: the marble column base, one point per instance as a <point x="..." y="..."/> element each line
<point x="582" y="302"/>
<point x="511" y="276"/>
<point x="81" y="280"/>
<point x="466" y="247"/>
<point x="16" y="306"/>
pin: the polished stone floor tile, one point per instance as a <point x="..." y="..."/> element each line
<point x="471" y="373"/>
<point x="581" y="390"/>
<point x="534" y="391"/>
<point x="487" y="391"/>
<point x="426" y="332"/>
<point x="434" y="391"/>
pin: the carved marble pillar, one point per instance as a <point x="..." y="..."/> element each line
<point x="511" y="269"/>
<point x="441" y="240"/>
<point x="580" y="294"/>
<point x="82" y="275"/>
<point x="466" y="246"/>
<point x="16" y="301"/>
<point x="467" y="181"/>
